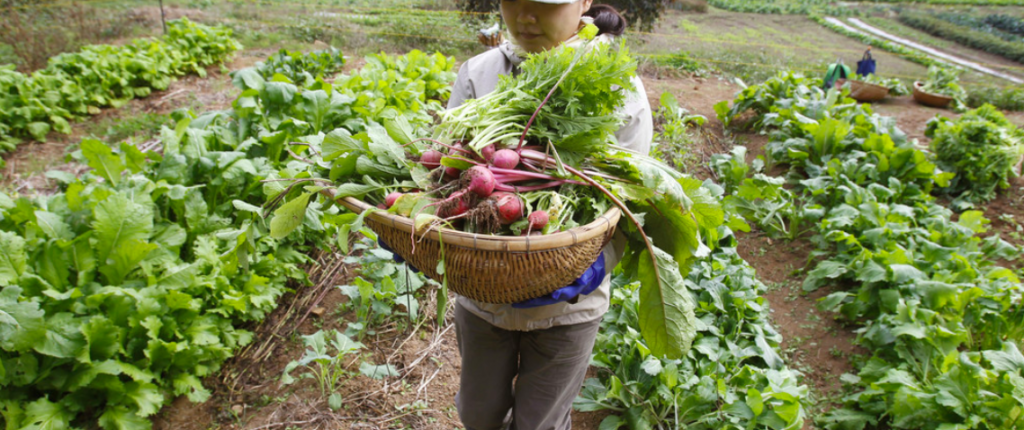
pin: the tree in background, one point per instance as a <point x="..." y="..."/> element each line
<point x="641" y="14"/>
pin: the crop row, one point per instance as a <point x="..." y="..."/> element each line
<point x="981" y="24"/>
<point x="940" y="318"/>
<point x="129" y="286"/>
<point x="77" y="84"/>
<point x="976" y="39"/>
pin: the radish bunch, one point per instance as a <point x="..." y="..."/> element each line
<point x="484" y="192"/>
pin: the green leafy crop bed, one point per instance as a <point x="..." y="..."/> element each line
<point x="77" y="84"/>
<point x="139" y="278"/>
<point x="943" y="322"/>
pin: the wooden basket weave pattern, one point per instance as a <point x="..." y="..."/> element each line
<point x="494" y="269"/>
<point x="866" y="92"/>
<point x="493" y="276"/>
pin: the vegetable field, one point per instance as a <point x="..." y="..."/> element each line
<point x="792" y="258"/>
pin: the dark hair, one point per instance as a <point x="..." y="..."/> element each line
<point x="607" y="19"/>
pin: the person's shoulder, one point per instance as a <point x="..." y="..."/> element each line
<point x="488" y="60"/>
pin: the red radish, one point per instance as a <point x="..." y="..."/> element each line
<point x="431" y="159"/>
<point x="510" y="207"/>
<point x="488" y="152"/>
<point x="461" y="207"/>
<point x="381" y="206"/>
<point x="481" y="181"/>
<point x="390" y="200"/>
<point x="538" y="220"/>
<point x="505" y="159"/>
<point x="452" y="172"/>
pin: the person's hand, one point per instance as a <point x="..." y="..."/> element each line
<point x="585" y="284"/>
<point x="395" y="256"/>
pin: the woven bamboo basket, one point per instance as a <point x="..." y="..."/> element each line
<point x="488" y="268"/>
<point x="865" y="92"/>
<point x="929" y="99"/>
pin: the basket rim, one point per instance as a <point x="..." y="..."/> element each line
<point x="486" y="242"/>
<point x="869" y="85"/>
<point x="917" y="88"/>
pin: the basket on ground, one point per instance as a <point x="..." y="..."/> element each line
<point x="865" y="92"/>
<point x="489" y="268"/>
<point x="929" y="99"/>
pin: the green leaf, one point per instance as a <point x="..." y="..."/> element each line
<point x="38" y="130"/>
<point x="135" y="160"/>
<point x="637" y="419"/>
<point x="974" y="220"/>
<point x="611" y="422"/>
<point x="146" y="397"/>
<point x="53" y="225"/>
<point x="651" y="366"/>
<point x="456" y="162"/>
<point x="12" y="258"/>
<point x="45" y="415"/>
<point x="378" y="371"/>
<point x="102" y="159"/>
<point x="117" y="222"/>
<point x="21" y="323"/>
<point x="121" y="418"/>
<point x="903" y="273"/>
<point x="825" y="270"/>
<point x="315" y="107"/>
<point x="289" y="216"/>
<point x="667" y="321"/>
<point x="126" y="258"/>
<point x="399" y="129"/>
<point x="340" y="142"/>
<point x="102" y="337"/>
<point x="1007" y="360"/>
<point x="383" y="146"/>
<point x="63" y="337"/>
<point x="755" y="401"/>
<point x="848" y="419"/>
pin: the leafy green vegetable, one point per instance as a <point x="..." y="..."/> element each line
<point x="733" y="376"/>
<point x="130" y="286"/>
<point x="946" y="81"/>
<point x="77" y="84"/>
<point x="982" y="147"/>
<point x="937" y="312"/>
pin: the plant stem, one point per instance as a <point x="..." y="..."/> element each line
<point x="625" y="210"/>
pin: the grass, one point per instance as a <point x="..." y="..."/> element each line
<point x="137" y="128"/>
<point x="754" y="47"/>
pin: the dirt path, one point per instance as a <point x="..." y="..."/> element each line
<point x="931" y="51"/>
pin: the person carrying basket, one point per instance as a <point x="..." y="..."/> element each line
<point x="523" y="364"/>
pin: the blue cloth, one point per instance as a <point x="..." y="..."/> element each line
<point x="585" y="284"/>
<point x="866" y="66"/>
<point x="395" y="256"/>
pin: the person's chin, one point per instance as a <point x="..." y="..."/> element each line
<point x="534" y="46"/>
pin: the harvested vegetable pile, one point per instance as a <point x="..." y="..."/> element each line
<point x="537" y="155"/>
<point x="982" y="147"/>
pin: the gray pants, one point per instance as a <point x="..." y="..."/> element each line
<point x="550" y="364"/>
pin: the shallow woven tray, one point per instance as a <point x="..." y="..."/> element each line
<point x="494" y="269"/>
<point x="865" y="92"/>
<point x="929" y="99"/>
